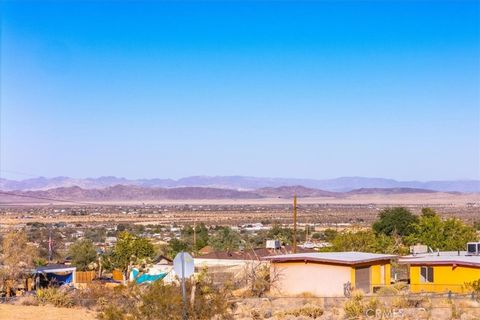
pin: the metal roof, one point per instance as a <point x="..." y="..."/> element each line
<point x="349" y="258"/>
<point x="449" y="258"/>
<point x="55" y="268"/>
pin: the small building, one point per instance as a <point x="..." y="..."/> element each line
<point x="329" y="274"/>
<point x="445" y="271"/>
<point x="55" y="275"/>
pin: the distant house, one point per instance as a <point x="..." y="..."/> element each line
<point x="206" y="250"/>
<point x="241" y="258"/>
<point x="329" y="273"/>
<point x="110" y="241"/>
<point x="442" y="271"/>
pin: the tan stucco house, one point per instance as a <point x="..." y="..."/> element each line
<point x="329" y="274"/>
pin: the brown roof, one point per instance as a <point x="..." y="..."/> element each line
<point x="252" y="254"/>
<point x="205" y="250"/>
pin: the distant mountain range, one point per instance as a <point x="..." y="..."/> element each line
<point x="138" y="193"/>
<point x="240" y="183"/>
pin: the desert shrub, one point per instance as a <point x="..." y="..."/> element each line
<point x="28" y="301"/>
<point x="354" y="307"/>
<point x="387" y="291"/>
<point x="257" y="279"/>
<point x="112" y="312"/>
<point x="474" y="286"/>
<point x="95" y="296"/>
<point x="255" y="314"/>
<point x="373" y="304"/>
<point x="401" y="286"/>
<point x="400" y="302"/>
<point x="210" y="300"/>
<point x="308" y="310"/>
<point x="149" y="301"/>
<point x="54" y="297"/>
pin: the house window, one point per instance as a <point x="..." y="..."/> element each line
<point x="426" y="274"/>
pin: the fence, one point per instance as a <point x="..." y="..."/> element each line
<point x="85" y="276"/>
<point x="395" y="306"/>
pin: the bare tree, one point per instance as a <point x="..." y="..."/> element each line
<point x="16" y="259"/>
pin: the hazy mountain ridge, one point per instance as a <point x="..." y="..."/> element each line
<point x="138" y="193"/>
<point x="123" y="192"/>
<point x="343" y="184"/>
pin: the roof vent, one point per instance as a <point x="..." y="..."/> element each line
<point x="418" y="249"/>
<point x="273" y="244"/>
<point x="473" y="248"/>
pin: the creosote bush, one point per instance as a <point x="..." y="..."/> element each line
<point x="308" y="310"/>
<point x="54" y="297"/>
<point x="354" y="307"/>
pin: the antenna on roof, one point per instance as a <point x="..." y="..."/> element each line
<point x="295" y="222"/>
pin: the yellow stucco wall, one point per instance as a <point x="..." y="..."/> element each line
<point x="446" y="278"/>
<point x="376" y="277"/>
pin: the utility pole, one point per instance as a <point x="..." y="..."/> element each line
<point x="50" y="244"/>
<point x="295" y="222"/>
<point x="194" y="235"/>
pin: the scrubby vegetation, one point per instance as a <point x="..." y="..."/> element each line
<point x="54" y="297"/>
<point x="308" y="310"/>
<point x="205" y="301"/>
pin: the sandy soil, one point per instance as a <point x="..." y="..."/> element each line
<point x="363" y="208"/>
<point x="14" y="312"/>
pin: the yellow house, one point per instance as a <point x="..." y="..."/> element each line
<point x="329" y="274"/>
<point x="442" y="271"/>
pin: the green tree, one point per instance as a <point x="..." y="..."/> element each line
<point x="201" y="236"/>
<point x="83" y="254"/>
<point x="367" y="241"/>
<point x="316" y="235"/>
<point x="285" y="235"/>
<point x="130" y="250"/>
<point x="395" y="221"/>
<point x="175" y="246"/>
<point x="428" y="212"/>
<point x="329" y="234"/>
<point x="96" y="234"/>
<point x="451" y="234"/>
<point x="476" y="225"/>
<point x="226" y="239"/>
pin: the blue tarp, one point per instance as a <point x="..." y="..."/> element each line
<point x="60" y="278"/>
<point x="145" y="277"/>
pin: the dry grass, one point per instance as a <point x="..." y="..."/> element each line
<point x="18" y="312"/>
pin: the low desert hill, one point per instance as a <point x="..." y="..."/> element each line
<point x="127" y="193"/>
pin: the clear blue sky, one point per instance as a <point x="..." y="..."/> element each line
<point x="280" y="89"/>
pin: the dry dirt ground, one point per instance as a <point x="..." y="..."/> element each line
<point x="15" y="312"/>
<point x="358" y="208"/>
